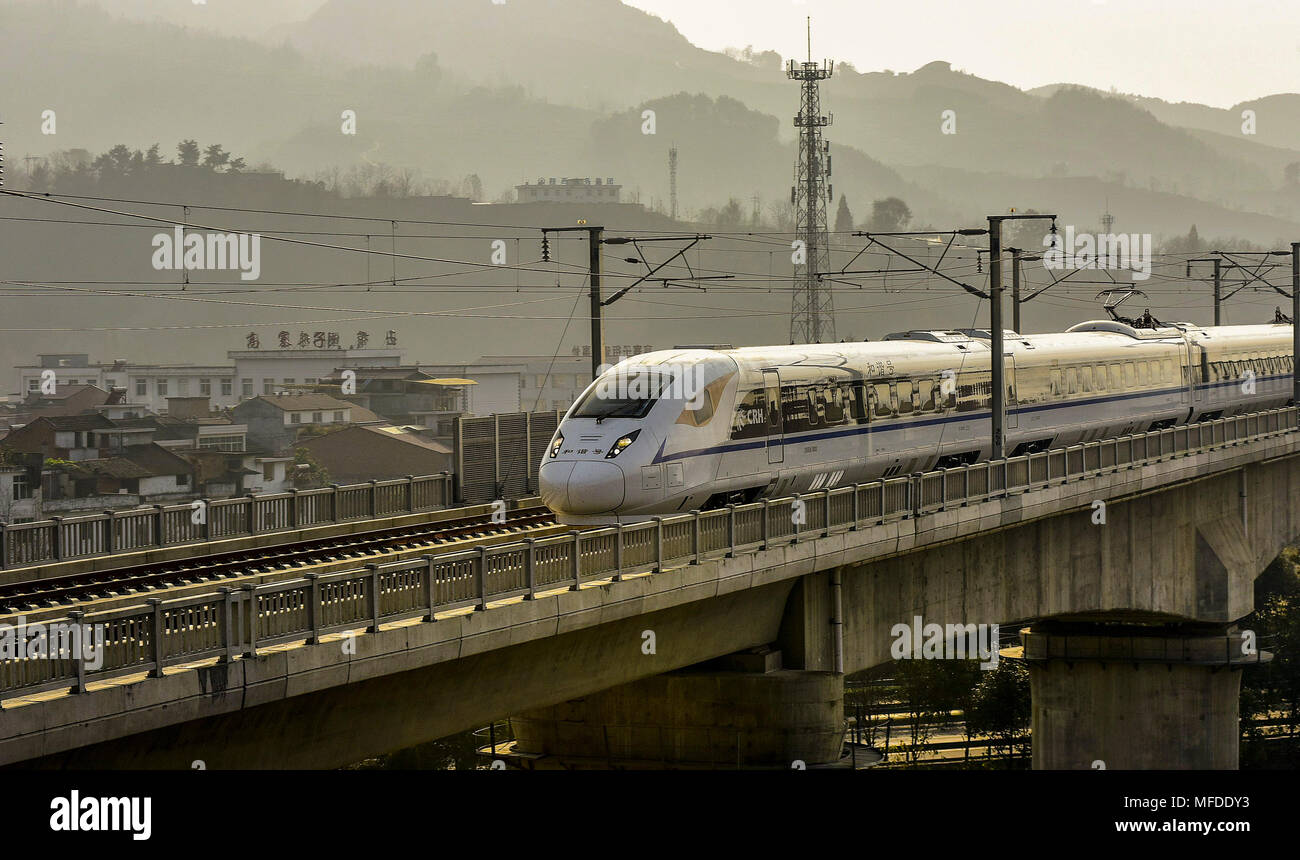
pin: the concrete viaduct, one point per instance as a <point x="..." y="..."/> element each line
<point x="727" y="633"/>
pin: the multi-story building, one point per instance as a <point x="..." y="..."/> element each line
<point x="270" y="371"/>
<point x="277" y="421"/>
<point x="19" y="495"/>
<point x="569" y="190"/>
<point x="146" y="385"/>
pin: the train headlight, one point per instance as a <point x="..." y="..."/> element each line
<point x="621" y="445"/>
<point x="557" y="445"/>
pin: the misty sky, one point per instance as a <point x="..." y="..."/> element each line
<point x="1217" y="52"/>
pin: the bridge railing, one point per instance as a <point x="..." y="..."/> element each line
<point x="978" y="482"/>
<point x="233" y="622"/>
<point x="62" y="538"/>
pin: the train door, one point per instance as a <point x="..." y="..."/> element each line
<point x="775" y="424"/>
<point x="1200" y="374"/>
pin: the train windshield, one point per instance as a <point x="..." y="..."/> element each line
<point x="622" y="395"/>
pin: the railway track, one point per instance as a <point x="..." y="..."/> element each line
<point x="122" y="582"/>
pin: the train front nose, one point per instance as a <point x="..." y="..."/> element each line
<point x="581" y="486"/>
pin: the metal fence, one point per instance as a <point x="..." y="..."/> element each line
<point x="60" y="538"/>
<point x="497" y="455"/>
<point x="233" y="622"/>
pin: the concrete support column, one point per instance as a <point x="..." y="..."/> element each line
<point x="702" y="717"/>
<point x="1135" y="697"/>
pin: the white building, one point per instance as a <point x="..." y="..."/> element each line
<point x="19" y="500"/>
<point x="572" y="190"/>
<point x="260" y="372"/>
<point x="147" y="385"/>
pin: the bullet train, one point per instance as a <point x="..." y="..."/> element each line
<point x="690" y="428"/>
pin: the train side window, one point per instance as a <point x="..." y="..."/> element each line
<point x="704" y="411"/>
<point x="1103" y="378"/>
<point x="1085" y="378"/>
<point x="884" y="404"/>
<point x="1130" y="375"/>
<point x="973" y="391"/>
<point x="1168" y="366"/>
<point x="1143" y="374"/>
<point x="1113" y="382"/>
<point x="1054" y="385"/>
<point x="858" y="401"/>
<point x="1071" y="381"/>
<point x="925" y="395"/>
<point x="833" y="403"/>
<point x="904" y="397"/>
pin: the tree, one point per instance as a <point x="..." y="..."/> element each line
<point x="782" y="213"/>
<point x="472" y="188"/>
<point x="188" y="150"/>
<point x="843" y="217"/>
<point x="315" y="474"/>
<point x="1000" y="707"/>
<point x="1272" y="691"/>
<point x="928" y="690"/>
<point x="731" y="215"/>
<point x="215" y="157"/>
<point x="889" y="215"/>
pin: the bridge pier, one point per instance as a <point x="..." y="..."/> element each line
<point x="743" y="711"/>
<point x="1135" y="697"/>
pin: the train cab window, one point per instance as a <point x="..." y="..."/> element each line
<point x="1071" y="380"/>
<point x="925" y="395"/>
<point x="905" y="397"/>
<point x="628" y="395"/>
<point x="882" y="402"/>
<point x="1085" y="379"/>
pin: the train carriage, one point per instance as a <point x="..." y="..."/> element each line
<point x="677" y="430"/>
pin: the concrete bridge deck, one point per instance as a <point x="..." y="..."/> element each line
<point x="274" y="676"/>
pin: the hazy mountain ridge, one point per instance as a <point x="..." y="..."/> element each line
<point x="431" y="112"/>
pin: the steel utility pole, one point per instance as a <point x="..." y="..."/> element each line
<point x="594" y="234"/>
<point x="997" y="364"/>
<point x="595" y="238"/>
<point x="1218" y="281"/>
<point x="1295" y="323"/>
<point x="597" y="322"/>
<point x="1017" y="257"/>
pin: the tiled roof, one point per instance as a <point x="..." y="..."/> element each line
<point x="301" y="402"/>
